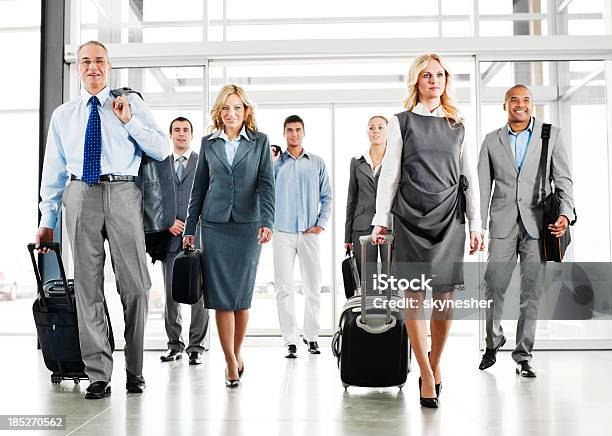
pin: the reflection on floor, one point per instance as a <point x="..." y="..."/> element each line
<point x="570" y="396"/>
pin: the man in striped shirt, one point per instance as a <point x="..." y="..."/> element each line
<point x="303" y="206"/>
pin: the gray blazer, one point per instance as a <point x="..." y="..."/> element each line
<point x="361" y="199"/>
<point x="243" y="191"/>
<point x="182" y="189"/>
<point x="518" y="193"/>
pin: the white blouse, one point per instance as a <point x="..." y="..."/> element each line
<point x="391" y="166"/>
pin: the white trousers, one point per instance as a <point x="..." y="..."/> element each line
<point x="306" y="246"/>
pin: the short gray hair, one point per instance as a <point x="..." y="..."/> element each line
<point x="92" y="42"/>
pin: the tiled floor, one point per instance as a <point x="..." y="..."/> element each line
<point x="572" y="395"/>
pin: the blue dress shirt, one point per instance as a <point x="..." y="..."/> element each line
<point x="230" y="146"/>
<point x="519" y="141"/>
<point x="122" y="146"/>
<point x="302" y="185"/>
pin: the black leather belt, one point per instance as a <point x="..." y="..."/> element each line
<point x="108" y="178"/>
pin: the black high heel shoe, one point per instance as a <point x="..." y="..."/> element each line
<point x="241" y="371"/>
<point x="438" y="385"/>
<point x="231" y="383"/>
<point x="430" y="403"/>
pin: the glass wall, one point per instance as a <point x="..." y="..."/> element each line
<point x="242" y="20"/>
<point x="19" y="87"/>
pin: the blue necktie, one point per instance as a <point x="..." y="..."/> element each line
<point x="180" y="169"/>
<point x="93" y="144"/>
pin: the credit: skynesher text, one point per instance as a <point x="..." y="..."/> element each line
<point x="413" y="303"/>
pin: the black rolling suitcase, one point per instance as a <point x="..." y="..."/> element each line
<point x="56" y="322"/>
<point x="187" y="276"/>
<point x="371" y="344"/>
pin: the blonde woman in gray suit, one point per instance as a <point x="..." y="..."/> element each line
<point x="361" y="198"/>
<point x="233" y="197"/>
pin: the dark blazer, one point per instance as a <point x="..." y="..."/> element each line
<point x="242" y="192"/>
<point x="361" y="199"/>
<point x="182" y="189"/>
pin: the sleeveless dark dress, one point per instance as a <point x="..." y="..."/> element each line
<point x="429" y="207"/>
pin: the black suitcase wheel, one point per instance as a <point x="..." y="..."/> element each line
<point x="55" y="379"/>
<point x="345" y="386"/>
<point x="76" y="380"/>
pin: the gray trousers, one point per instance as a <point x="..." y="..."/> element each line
<point x="503" y="254"/>
<point x="113" y="211"/>
<point x="198" y="328"/>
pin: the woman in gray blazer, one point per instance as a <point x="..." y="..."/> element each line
<point x="361" y="198"/>
<point x="233" y="198"/>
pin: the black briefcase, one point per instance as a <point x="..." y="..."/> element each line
<point x="553" y="248"/>
<point x="188" y="276"/>
<point x="350" y="274"/>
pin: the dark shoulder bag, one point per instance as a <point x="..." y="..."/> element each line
<point x="553" y="248"/>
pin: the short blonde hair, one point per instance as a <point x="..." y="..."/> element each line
<point x="447" y="99"/>
<point x="226" y="91"/>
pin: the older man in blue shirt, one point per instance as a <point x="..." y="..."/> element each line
<point x="303" y="206"/>
<point x="97" y="142"/>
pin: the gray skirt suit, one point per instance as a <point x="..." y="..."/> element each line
<point x="231" y="201"/>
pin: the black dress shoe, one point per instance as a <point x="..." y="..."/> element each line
<point x="134" y="384"/>
<point x="291" y="352"/>
<point x="524" y="369"/>
<point x="313" y="347"/>
<point x="195" y="358"/>
<point x="97" y="390"/>
<point x="489" y="357"/>
<point x="430" y="403"/>
<point x="172" y="356"/>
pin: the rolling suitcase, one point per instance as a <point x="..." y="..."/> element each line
<point x="187" y="276"/>
<point x="371" y="344"/>
<point x="56" y="322"/>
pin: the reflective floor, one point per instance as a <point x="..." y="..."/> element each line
<point x="572" y="395"/>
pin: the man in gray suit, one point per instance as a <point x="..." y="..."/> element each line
<point x="96" y="142"/>
<point x="510" y="157"/>
<point x="184" y="162"/>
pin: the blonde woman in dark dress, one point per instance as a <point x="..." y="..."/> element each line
<point x="429" y="183"/>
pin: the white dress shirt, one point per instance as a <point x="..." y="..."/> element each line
<point x="176" y="156"/>
<point x="368" y="159"/>
<point x="391" y="173"/>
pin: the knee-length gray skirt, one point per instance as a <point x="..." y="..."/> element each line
<point x="231" y="255"/>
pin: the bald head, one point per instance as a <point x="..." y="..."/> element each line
<point x="518" y="106"/>
<point x="510" y="91"/>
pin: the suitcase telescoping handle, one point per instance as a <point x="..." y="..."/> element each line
<point x="364" y="241"/>
<point x="55" y="247"/>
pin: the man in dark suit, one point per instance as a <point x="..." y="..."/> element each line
<point x="184" y="162"/>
